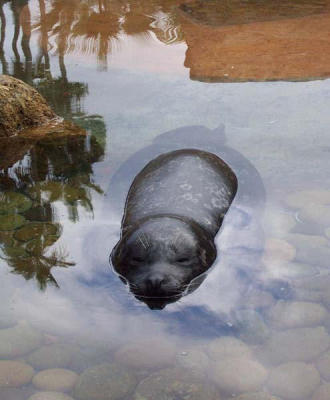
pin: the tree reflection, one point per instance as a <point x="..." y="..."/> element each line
<point x="36" y="176"/>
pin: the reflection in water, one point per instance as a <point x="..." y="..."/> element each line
<point x="256" y="41"/>
<point x="35" y="176"/>
<point x="227" y="41"/>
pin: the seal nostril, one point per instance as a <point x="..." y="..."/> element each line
<point x="154" y="283"/>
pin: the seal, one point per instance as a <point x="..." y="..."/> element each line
<point x="174" y="209"/>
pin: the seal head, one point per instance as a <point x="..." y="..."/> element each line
<point x="161" y="257"/>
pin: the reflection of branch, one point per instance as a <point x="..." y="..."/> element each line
<point x="16" y="31"/>
<point x="2" y="39"/>
<point x="40" y="266"/>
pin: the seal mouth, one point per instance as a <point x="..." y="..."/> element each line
<point x="158" y="303"/>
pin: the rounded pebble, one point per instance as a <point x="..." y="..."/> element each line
<point x="11" y="222"/>
<point x="14" y="202"/>
<point x="322" y="393"/>
<point x="294" y="380"/>
<point x="301" y="344"/>
<point x="36" y="230"/>
<point x="55" y="380"/>
<point x="323" y="365"/>
<point x="104" y="382"/>
<point x="238" y="375"/>
<point x="50" y="396"/>
<point x="278" y="250"/>
<point x="136" y="355"/>
<point x="19" y="340"/>
<point x="51" y="356"/>
<point x="319" y="215"/>
<point x="297" y="314"/>
<point x="15" y="373"/>
<point x="195" y="360"/>
<point x="227" y="346"/>
<point x="305" y="198"/>
<point x="175" y="383"/>
<point x="256" y="396"/>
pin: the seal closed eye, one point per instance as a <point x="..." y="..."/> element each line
<point x="174" y="208"/>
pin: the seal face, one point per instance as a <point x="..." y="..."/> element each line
<point x="174" y="208"/>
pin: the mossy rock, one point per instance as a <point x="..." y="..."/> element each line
<point x="36" y="230"/>
<point x="14" y="202"/>
<point x="11" y="222"/>
<point x="38" y="246"/>
<point x="6" y="238"/>
<point x="50" y="191"/>
<point x="14" y="252"/>
<point x="73" y="194"/>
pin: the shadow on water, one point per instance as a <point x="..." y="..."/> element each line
<point x="240" y="241"/>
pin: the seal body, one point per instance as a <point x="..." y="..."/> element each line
<point x="174" y="208"/>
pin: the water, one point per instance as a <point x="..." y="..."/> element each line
<point x="136" y="76"/>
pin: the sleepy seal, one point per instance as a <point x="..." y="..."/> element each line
<point x="174" y="208"/>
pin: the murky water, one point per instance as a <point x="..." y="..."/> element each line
<point x="134" y="74"/>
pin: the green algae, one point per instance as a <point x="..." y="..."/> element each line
<point x="36" y="230"/>
<point x="11" y="222"/>
<point x="38" y="246"/>
<point x="6" y="238"/>
<point x="14" y="202"/>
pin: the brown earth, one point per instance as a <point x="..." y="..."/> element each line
<point x="285" y="48"/>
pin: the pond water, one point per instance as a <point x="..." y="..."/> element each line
<point x="246" y="81"/>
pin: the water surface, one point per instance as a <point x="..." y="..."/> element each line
<point x="122" y="70"/>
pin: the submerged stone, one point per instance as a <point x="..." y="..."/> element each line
<point x="50" y="396"/>
<point x="311" y="249"/>
<point x="11" y="222"/>
<point x="9" y="393"/>
<point x="297" y="314"/>
<point x="238" y="375"/>
<point x="319" y="215"/>
<point x="300" y="344"/>
<point x="228" y="346"/>
<point x="38" y="246"/>
<point x="322" y="393"/>
<point x="19" y="340"/>
<point x="136" y="355"/>
<point x="175" y="383"/>
<point x="307" y="198"/>
<point x="278" y="250"/>
<point x="56" y="380"/>
<point x="323" y="365"/>
<point x="194" y="360"/>
<point x="256" y="396"/>
<point x="14" y="373"/>
<point x="51" y="356"/>
<point x="14" y="202"/>
<point x="6" y="238"/>
<point x="294" y="380"/>
<point x="104" y="382"/>
<point x="36" y="230"/>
